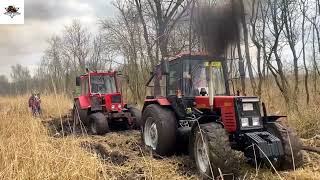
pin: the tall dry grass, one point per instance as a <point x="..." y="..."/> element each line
<point x="306" y="121"/>
<point x="27" y="152"/>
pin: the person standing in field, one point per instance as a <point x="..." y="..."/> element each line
<point x="34" y="104"/>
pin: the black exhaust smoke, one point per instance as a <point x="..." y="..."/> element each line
<point x="218" y="25"/>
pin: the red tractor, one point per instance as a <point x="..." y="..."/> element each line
<point x="195" y="108"/>
<point x="100" y="103"/>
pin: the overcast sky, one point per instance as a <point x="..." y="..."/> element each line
<point x="25" y="44"/>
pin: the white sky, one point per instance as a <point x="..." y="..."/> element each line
<point x="25" y="44"/>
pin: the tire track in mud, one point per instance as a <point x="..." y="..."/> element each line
<point x="122" y="150"/>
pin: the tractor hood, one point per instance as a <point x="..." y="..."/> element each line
<point x="113" y="102"/>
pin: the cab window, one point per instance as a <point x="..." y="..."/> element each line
<point x="84" y="86"/>
<point x="174" y="77"/>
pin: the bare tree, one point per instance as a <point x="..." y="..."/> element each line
<point x="303" y="9"/>
<point x="289" y="19"/>
<point x="4" y="85"/>
<point x="246" y="45"/>
<point x="21" y="78"/>
<point x="253" y="22"/>
<point x="76" y="43"/>
<point x="166" y="15"/>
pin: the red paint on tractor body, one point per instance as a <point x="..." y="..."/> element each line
<point x="160" y="101"/>
<point x="226" y="106"/>
<point x="202" y="102"/>
<point x="228" y="113"/>
<point x="116" y="105"/>
<point x="84" y="102"/>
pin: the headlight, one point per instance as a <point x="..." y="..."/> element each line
<point x="119" y="106"/>
<point x="244" y="122"/>
<point x="112" y="106"/>
<point x="255" y="121"/>
<point x="247" y="106"/>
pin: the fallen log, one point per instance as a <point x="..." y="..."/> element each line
<point x="312" y="149"/>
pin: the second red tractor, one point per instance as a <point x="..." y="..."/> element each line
<point x="100" y="103"/>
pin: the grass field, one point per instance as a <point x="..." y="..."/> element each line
<point x="31" y="150"/>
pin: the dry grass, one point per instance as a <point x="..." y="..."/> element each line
<point x="28" y="151"/>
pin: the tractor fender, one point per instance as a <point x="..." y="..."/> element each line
<point x="270" y="119"/>
<point x="160" y="101"/>
<point x="84" y="102"/>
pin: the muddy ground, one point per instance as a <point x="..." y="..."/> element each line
<point x="123" y="150"/>
<point x="126" y="158"/>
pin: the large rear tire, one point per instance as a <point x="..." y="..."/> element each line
<point x="158" y="129"/>
<point x="287" y="137"/>
<point x="75" y="118"/>
<point x="210" y="149"/>
<point x="98" y="124"/>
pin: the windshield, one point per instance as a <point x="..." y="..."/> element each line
<point x="102" y="84"/>
<point x="197" y="76"/>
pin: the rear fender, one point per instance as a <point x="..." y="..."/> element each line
<point x="160" y="101"/>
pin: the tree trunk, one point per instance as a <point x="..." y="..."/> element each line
<point x="241" y="68"/>
<point x="306" y="76"/>
<point x="287" y="19"/>
<point x="256" y="43"/>
<point x="145" y="32"/>
<point x="247" y="51"/>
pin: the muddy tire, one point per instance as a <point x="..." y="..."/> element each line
<point x="136" y="113"/>
<point x="213" y="144"/>
<point x="75" y="118"/>
<point x="159" y="129"/>
<point x="80" y="114"/>
<point x="98" y="124"/>
<point x="284" y="133"/>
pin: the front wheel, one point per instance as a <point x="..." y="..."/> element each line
<point x="292" y="147"/>
<point x="159" y="129"/>
<point x="98" y="124"/>
<point x="210" y="149"/>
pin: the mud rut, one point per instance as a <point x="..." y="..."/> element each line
<point x="119" y="149"/>
<point x="123" y="150"/>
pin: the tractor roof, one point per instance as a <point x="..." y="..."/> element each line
<point x="192" y="55"/>
<point x="105" y="73"/>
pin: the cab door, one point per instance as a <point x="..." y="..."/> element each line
<point x="84" y="93"/>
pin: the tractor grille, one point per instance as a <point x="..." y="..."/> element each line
<point x="95" y="103"/>
<point x="229" y="119"/>
<point x="115" y="99"/>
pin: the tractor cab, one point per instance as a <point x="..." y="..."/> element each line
<point x="97" y="83"/>
<point x="100" y="103"/>
<point x="190" y="76"/>
<point x="99" y="90"/>
<point x="191" y="104"/>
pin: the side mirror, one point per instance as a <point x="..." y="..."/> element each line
<point x="165" y="67"/>
<point x="78" y="81"/>
<point x="119" y="73"/>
